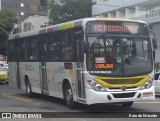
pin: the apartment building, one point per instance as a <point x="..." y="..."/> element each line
<point x="24" y="8"/>
<point x="146" y="10"/>
<point x="34" y="22"/>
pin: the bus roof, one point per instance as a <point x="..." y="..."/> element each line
<point x="67" y="25"/>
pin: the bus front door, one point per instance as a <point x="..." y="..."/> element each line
<point x="43" y="73"/>
<point x="17" y="65"/>
<point x="80" y="75"/>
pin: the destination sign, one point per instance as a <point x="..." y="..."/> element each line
<point x="117" y="27"/>
<point x="104" y="66"/>
<point x="114" y="28"/>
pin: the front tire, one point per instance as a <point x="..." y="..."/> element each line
<point x="28" y="88"/>
<point x="68" y="96"/>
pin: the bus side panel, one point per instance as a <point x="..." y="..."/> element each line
<point x="56" y="73"/>
<point x="31" y="69"/>
<point x="12" y="75"/>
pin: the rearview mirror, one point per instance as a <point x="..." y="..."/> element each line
<point x="86" y="47"/>
<point x="154" y="43"/>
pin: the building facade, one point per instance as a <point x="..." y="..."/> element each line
<point x="146" y="10"/>
<point x="34" y="22"/>
<point x="24" y="9"/>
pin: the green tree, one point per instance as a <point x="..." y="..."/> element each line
<point x="7" y="20"/>
<point x="69" y="10"/>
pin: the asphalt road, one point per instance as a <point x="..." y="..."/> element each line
<point x="16" y="100"/>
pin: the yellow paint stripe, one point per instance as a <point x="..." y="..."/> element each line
<point x="118" y="19"/>
<point x="18" y="98"/>
<point x="142" y="80"/>
<point x="11" y="96"/>
<point x="66" y="26"/>
<point x="25" y="100"/>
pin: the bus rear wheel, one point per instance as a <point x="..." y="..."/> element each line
<point x="127" y="104"/>
<point x="28" y="88"/>
<point x="68" y="96"/>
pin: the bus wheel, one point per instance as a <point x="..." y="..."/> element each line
<point x="28" y="88"/>
<point x="127" y="104"/>
<point x="68" y="95"/>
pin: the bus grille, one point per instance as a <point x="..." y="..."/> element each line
<point x="124" y="95"/>
<point x="122" y="81"/>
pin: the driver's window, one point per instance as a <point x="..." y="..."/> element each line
<point x="142" y="49"/>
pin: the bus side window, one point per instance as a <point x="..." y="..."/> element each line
<point x="31" y="49"/>
<point x="54" y="47"/>
<point x="27" y="49"/>
<point x="67" y="53"/>
<point x="34" y="49"/>
<point x="67" y="50"/>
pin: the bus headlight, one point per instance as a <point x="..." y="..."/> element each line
<point x="148" y="84"/>
<point x="96" y="86"/>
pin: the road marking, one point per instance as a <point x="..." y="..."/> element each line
<point x="15" y="97"/>
<point x="151" y="102"/>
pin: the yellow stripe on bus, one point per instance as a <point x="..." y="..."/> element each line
<point x="142" y="80"/>
<point x="117" y="19"/>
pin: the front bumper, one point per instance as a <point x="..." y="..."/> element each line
<point x="94" y="97"/>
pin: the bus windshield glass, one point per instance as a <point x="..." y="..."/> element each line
<point x="123" y="49"/>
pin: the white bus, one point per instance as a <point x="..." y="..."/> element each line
<point x="89" y="61"/>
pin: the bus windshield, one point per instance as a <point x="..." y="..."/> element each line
<point x="119" y="54"/>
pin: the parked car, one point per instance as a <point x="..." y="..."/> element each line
<point x="4" y="78"/>
<point x="5" y="66"/>
<point x="157" y="82"/>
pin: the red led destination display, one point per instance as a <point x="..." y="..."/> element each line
<point x="114" y="28"/>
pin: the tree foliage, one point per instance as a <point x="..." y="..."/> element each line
<point x="69" y="10"/>
<point x="7" y="20"/>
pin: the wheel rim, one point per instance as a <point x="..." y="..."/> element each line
<point x="68" y="96"/>
<point x="28" y="88"/>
